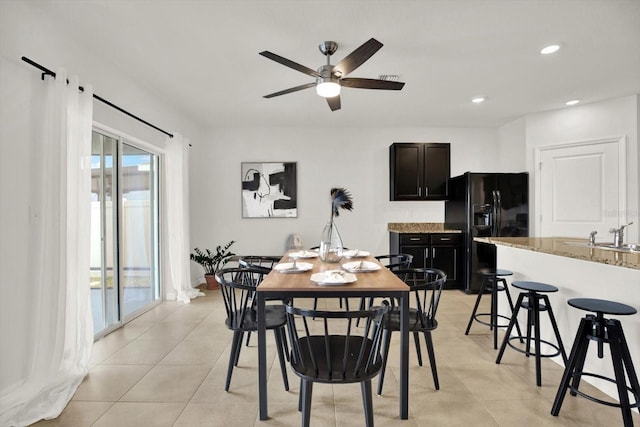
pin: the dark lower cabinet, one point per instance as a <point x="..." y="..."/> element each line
<point x="433" y="250"/>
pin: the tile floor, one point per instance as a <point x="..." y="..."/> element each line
<point x="168" y="367"/>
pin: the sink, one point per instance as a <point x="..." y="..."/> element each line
<point x="629" y="247"/>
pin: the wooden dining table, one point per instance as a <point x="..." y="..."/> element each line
<point x="378" y="283"/>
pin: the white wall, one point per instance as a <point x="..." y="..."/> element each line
<point x="613" y="118"/>
<point x="511" y="146"/>
<point x="26" y="31"/>
<point x="357" y="159"/>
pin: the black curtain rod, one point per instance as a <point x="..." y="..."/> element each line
<point x="46" y="71"/>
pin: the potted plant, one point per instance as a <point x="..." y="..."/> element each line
<point x="212" y="262"/>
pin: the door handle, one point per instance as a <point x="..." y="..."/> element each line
<point x="494" y="214"/>
<point x="498" y="212"/>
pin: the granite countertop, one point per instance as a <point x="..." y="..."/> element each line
<point x="576" y="248"/>
<point x="419" y="227"/>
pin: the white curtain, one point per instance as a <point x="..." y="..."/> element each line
<point x="177" y="215"/>
<point x="60" y="333"/>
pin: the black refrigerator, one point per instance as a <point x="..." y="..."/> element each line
<point x="483" y="205"/>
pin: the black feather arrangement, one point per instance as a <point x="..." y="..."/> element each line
<point x="340" y="199"/>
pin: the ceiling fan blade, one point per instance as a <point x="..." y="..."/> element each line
<point x="334" y="103"/>
<point x="357" y="57"/>
<point x="288" y="63"/>
<point x="371" y="84"/>
<point x="290" y="90"/>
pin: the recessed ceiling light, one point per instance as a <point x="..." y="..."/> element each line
<point x="550" y="49"/>
<point x="478" y="99"/>
<point x="573" y="102"/>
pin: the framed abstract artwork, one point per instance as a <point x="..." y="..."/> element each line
<point x="269" y="190"/>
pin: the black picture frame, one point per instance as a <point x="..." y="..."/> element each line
<point x="269" y="189"/>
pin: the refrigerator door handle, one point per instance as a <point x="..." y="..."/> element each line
<point x="494" y="214"/>
<point x="498" y="212"/>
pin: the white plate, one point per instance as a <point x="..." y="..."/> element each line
<point x="355" y="253"/>
<point x="303" y="254"/>
<point x="333" y="278"/>
<point x="361" y="266"/>
<point x="287" y="267"/>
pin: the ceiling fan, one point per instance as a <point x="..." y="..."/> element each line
<point x="330" y="78"/>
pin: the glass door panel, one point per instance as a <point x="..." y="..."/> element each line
<point x="139" y="255"/>
<point x="104" y="277"/>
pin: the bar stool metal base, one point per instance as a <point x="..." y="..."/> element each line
<point x="534" y="306"/>
<point x="494" y="283"/>
<point x="527" y="352"/>
<point x="603" y="331"/>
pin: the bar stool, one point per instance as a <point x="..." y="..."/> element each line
<point x="493" y="281"/>
<point x="598" y="328"/>
<point x="535" y="302"/>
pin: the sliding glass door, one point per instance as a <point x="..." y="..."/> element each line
<point x="124" y="231"/>
<point x="139" y="255"/>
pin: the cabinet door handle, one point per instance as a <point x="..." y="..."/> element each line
<point x="433" y="253"/>
<point x="445" y="239"/>
<point x="414" y="239"/>
<point x="426" y="191"/>
<point x="419" y="191"/>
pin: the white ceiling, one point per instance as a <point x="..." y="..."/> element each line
<point x="202" y="56"/>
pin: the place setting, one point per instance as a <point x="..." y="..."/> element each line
<point x="293" y="267"/>
<point x="333" y="278"/>
<point x="303" y="254"/>
<point x="361" y="266"/>
<point x="355" y="253"/>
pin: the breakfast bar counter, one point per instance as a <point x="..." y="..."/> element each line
<point x="579" y="271"/>
<point x="568" y="247"/>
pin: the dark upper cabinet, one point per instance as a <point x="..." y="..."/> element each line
<point x="419" y="171"/>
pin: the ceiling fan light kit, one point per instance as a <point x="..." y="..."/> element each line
<point x="327" y="88"/>
<point x="327" y="85"/>
<point x="331" y="78"/>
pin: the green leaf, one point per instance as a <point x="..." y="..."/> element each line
<point x="211" y="262"/>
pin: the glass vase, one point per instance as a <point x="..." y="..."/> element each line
<point x="330" y="244"/>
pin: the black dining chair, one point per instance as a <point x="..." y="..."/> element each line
<point x="392" y="262"/>
<point x="259" y="261"/>
<point x="264" y="263"/>
<point x="426" y="286"/>
<point x="238" y="286"/>
<point x="395" y="261"/>
<point x="335" y="351"/>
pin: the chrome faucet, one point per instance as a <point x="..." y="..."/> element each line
<point x="618" y="235"/>
<point x="592" y="238"/>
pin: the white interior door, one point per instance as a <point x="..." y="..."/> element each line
<point x="581" y="188"/>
